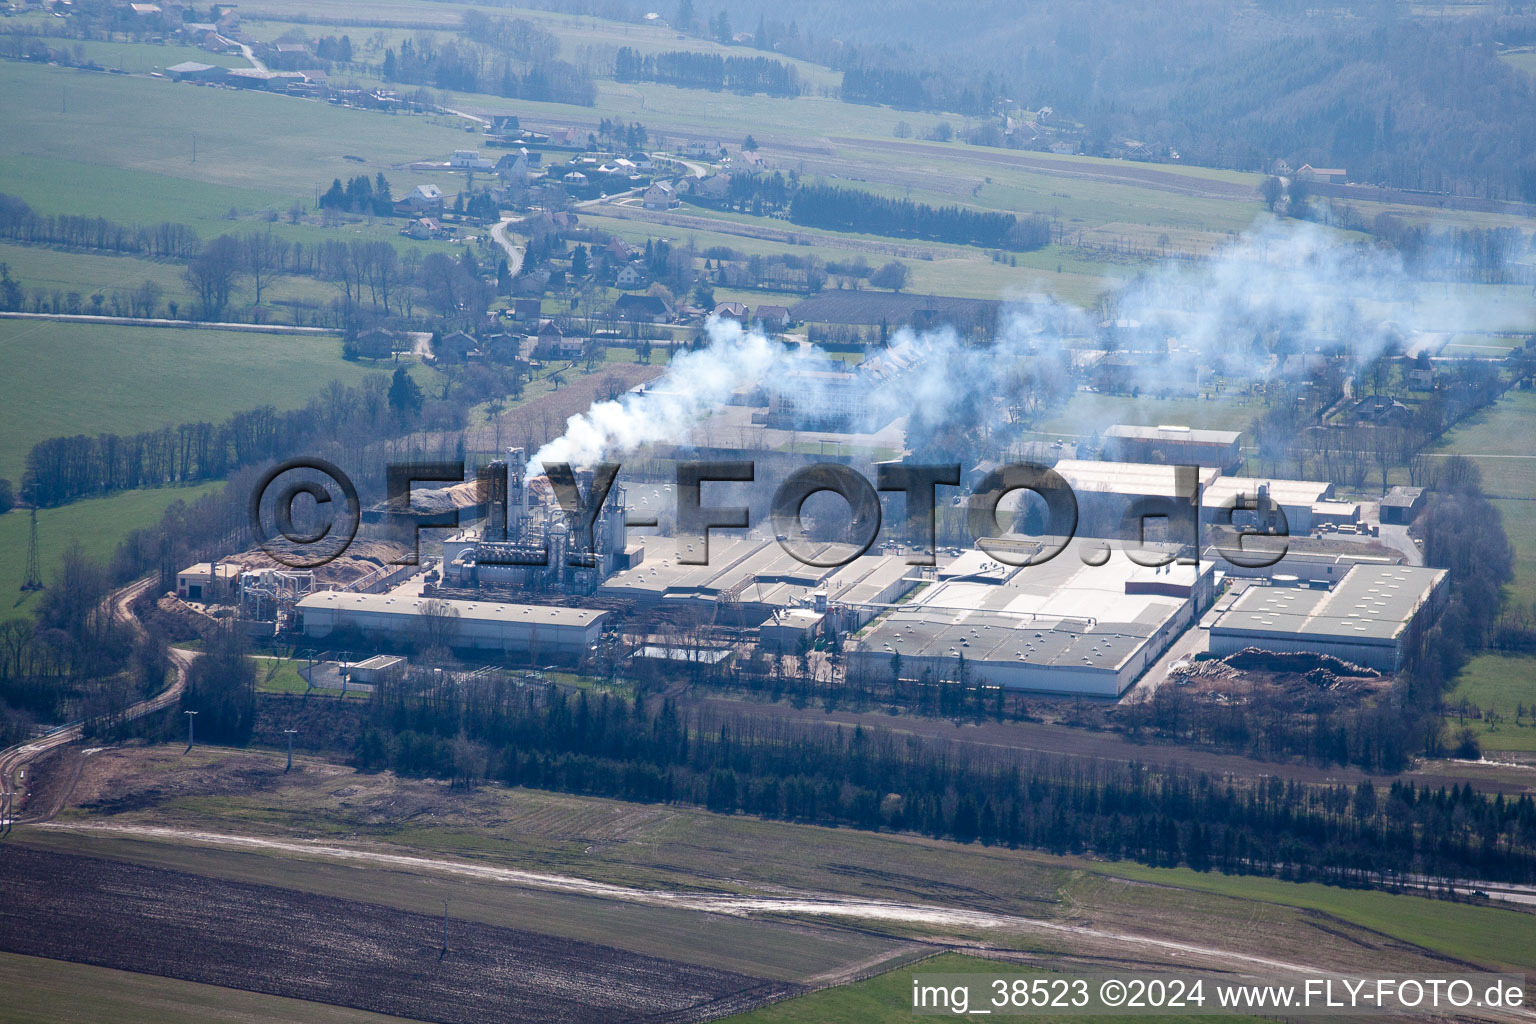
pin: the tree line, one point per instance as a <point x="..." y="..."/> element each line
<point x="469" y="68"/>
<point x="20" y="222"/>
<point x="846" y="209"/>
<point x="693" y="70"/>
<point x="907" y="88"/>
<point x="64" y="469"/>
<point x="877" y="779"/>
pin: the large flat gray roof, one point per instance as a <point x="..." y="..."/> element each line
<point x="1130" y="478"/>
<point x="1185" y="435"/>
<point x="1371" y="604"/>
<point x="468" y="611"/>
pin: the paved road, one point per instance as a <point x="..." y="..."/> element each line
<point x="130" y="321"/>
<point x="13" y="760"/>
<point x="250" y="55"/>
<point x="514" y="254"/>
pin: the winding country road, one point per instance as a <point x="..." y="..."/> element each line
<point x="514" y="254"/>
<point x="13" y="760"/>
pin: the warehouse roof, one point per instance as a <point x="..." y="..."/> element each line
<point x="1129" y="478"/>
<point x="468" y="611"/>
<point x="1371" y="604"/>
<point x="1184" y="435"/>
<point x="1297" y="493"/>
<point x="1402" y="497"/>
<point x="993" y="637"/>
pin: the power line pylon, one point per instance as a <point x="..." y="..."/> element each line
<point x="34" y="579"/>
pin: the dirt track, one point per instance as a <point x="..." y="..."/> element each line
<point x="14" y="759"/>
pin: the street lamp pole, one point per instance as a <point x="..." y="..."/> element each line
<point x="290" y="733"/>
<point x="191" y="716"/>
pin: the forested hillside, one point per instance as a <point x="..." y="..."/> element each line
<point x="1412" y="97"/>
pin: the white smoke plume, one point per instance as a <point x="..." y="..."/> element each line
<point x="696" y="383"/>
<point x="1287" y="288"/>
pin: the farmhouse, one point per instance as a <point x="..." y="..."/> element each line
<point x="1331" y="174"/>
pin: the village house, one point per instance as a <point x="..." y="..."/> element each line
<point x="1332" y="174"/>
<point x="643" y="309"/>
<point x="1382" y="411"/>
<point x="423" y="199"/>
<point x="554" y="343"/>
<point x="535" y="282"/>
<point x="469" y="160"/>
<point x="660" y="196"/>
<point x="377" y="343"/>
<point x="731" y="311"/>
<point x="773" y="318"/>
<point x="424" y="229"/>
<point x="519" y="167"/>
<point x="457" y="347"/>
<point x="630" y="276"/>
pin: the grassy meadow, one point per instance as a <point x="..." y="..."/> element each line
<point x="99" y="378"/>
<point x="1497" y="683"/>
<point x="98" y="524"/>
<point x="40" y="991"/>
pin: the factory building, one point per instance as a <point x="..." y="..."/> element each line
<point x="1062" y="626"/>
<point x="750" y="579"/>
<point x="529" y="541"/>
<point x="828" y="394"/>
<point x="209" y="582"/>
<point x="1105" y="491"/>
<point x="1366" y="619"/>
<point x="539" y="632"/>
<point x="1173" y="446"/>
<point x="1296" y="498"/>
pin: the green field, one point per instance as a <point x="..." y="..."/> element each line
<point x="1499" y="440"/>
<point x="1498" y="683"/>
<point x="254" y="141"/>
<point x="142" y="58"/>
<point x="39" y="991"/>
<point x="887" y="998"/>
<point x="1483" y="934"/>
<point x="124" y="379"/>
<point x="281" y="675"/>
<point x="1087" y="411"/>
<point x="88" y="273"/>
<point x="98" y="524"/>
